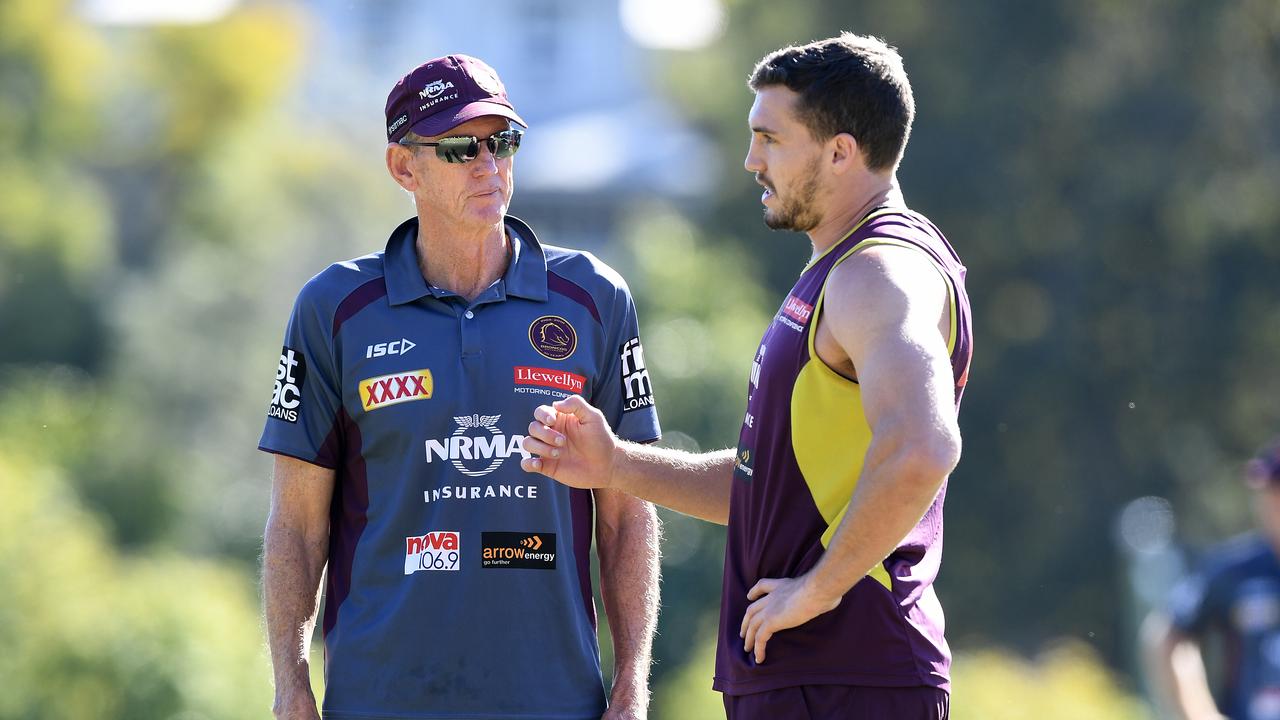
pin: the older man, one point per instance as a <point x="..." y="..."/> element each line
<point x="834" y="494"/>
<point x="457" y="586"/>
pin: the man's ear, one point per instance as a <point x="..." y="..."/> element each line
<point x="845" y="153"/>
<point x="399" y="164"/>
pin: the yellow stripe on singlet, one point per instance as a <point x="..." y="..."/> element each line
<point x="829" y="430"/>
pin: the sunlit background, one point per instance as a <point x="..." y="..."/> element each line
<point x="172" y="172"/>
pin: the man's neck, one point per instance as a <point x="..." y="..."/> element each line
<point x="461" y="261"/>
<point x="843" y="214"/>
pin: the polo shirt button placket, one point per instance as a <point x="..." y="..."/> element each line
<point x="470" y="335"/>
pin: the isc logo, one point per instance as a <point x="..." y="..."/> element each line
<point x="440" y="550"/>
<point x="395" y="347"/>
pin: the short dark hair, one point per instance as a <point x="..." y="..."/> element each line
<point x="852" y="84"/>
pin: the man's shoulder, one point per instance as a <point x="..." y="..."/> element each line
<point x="338" y="281"/>
<point x="1240" y="553"/>
<point x="584" y="269"/>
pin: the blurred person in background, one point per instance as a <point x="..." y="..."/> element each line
<point x="1234" y="597"/>
<point x="457" y="585"/>
<point x="833" y="497"/>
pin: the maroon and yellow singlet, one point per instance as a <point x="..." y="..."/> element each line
<point x="800" y="455"/>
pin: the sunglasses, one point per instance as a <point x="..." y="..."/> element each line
<point x="466" y="148"/>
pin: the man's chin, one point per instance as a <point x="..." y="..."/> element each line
<point x="774" y="221"/>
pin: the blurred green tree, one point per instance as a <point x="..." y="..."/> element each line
<point x="93" y="633"/>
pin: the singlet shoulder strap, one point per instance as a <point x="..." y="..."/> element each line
<point x="953" y="304"/>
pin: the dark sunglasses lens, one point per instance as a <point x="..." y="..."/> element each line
<point x="458" y="149"/>
<point x="505" y="144"/>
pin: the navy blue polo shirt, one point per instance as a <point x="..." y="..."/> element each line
<point x="458" y="585"/>
<point x="1236" y="592"/>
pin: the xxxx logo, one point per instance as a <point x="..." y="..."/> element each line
<point x="533" y="543"/>
<point x="387" y="390"/>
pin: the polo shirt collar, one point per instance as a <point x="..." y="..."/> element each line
<point x="526" y="274"/>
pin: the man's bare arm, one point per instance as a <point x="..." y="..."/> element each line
<point x="295" y="549"/>
<point x="627" y="537"/>
<point x="1176" y="671"/>
<point x="882" y="307"/>
<point x="572" y="443"/>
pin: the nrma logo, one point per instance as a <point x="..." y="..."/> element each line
<point x="477" y="447"/>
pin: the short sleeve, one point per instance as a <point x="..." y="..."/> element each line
<point x="625" y="392"/>
<point x="302" y="417"/>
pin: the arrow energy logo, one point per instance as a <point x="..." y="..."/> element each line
<point x="531" y="551"/>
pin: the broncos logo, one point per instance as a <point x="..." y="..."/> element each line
<point x="553" y="337"/>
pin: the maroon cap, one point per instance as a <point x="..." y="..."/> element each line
<point x="1264" y="470"/>
<point x="441" y="94"/>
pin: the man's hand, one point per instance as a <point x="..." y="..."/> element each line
<point x="572" y="443"/>
<point x="779" y="604"/>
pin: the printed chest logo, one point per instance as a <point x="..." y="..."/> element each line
<point x="385" y="390"/>
<point x="395" y="347"/>
<point x="750" y="419"/>
<point x="553" y="337"/>
<point x="477" y="447"/>
<point x="743" y="465"/>
<point x="531" y="551"/>
<point x="441" y="550"/>
<point x="795" y="313"/>
<point x="287" y="396"/>
<point x="561" y="383"/>
<point x="637" y="390"/>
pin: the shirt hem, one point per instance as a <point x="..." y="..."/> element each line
<point x="776" y="682"/>
<point x="297" y="455"/>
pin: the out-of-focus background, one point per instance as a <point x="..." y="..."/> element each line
<point x="172" y="172"/>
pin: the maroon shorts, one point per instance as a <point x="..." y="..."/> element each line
<point x="830" y="702"/>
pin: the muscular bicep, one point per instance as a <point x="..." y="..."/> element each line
<point x="882" y="307"/>
<point x="300" y="496"/>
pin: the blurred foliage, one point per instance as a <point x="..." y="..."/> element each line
<point x="1107" y="171"/>
<point x="1066" y="682"/>
<point x="90" y="632"/>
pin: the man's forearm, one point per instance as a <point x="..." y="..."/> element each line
<point x="892" y="495"/>
<point x="628" y="534"/>
<point x="694" y="484"/>
<point x="291" y="574"/>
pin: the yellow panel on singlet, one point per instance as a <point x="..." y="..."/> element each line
<point x="829" y="431"/>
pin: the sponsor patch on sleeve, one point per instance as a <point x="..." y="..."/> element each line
<point x="286" y="399"/>
<point x="636" y="390"/>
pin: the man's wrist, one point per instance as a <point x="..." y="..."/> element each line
<point x="614" y="473"/>
<point x="629" y="684"/>
<point x="292" y="699"/>
<point x="631" y="699"/>
<point x="819" y="590"/>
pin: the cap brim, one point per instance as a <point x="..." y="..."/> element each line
<point x="441" y="123"/>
